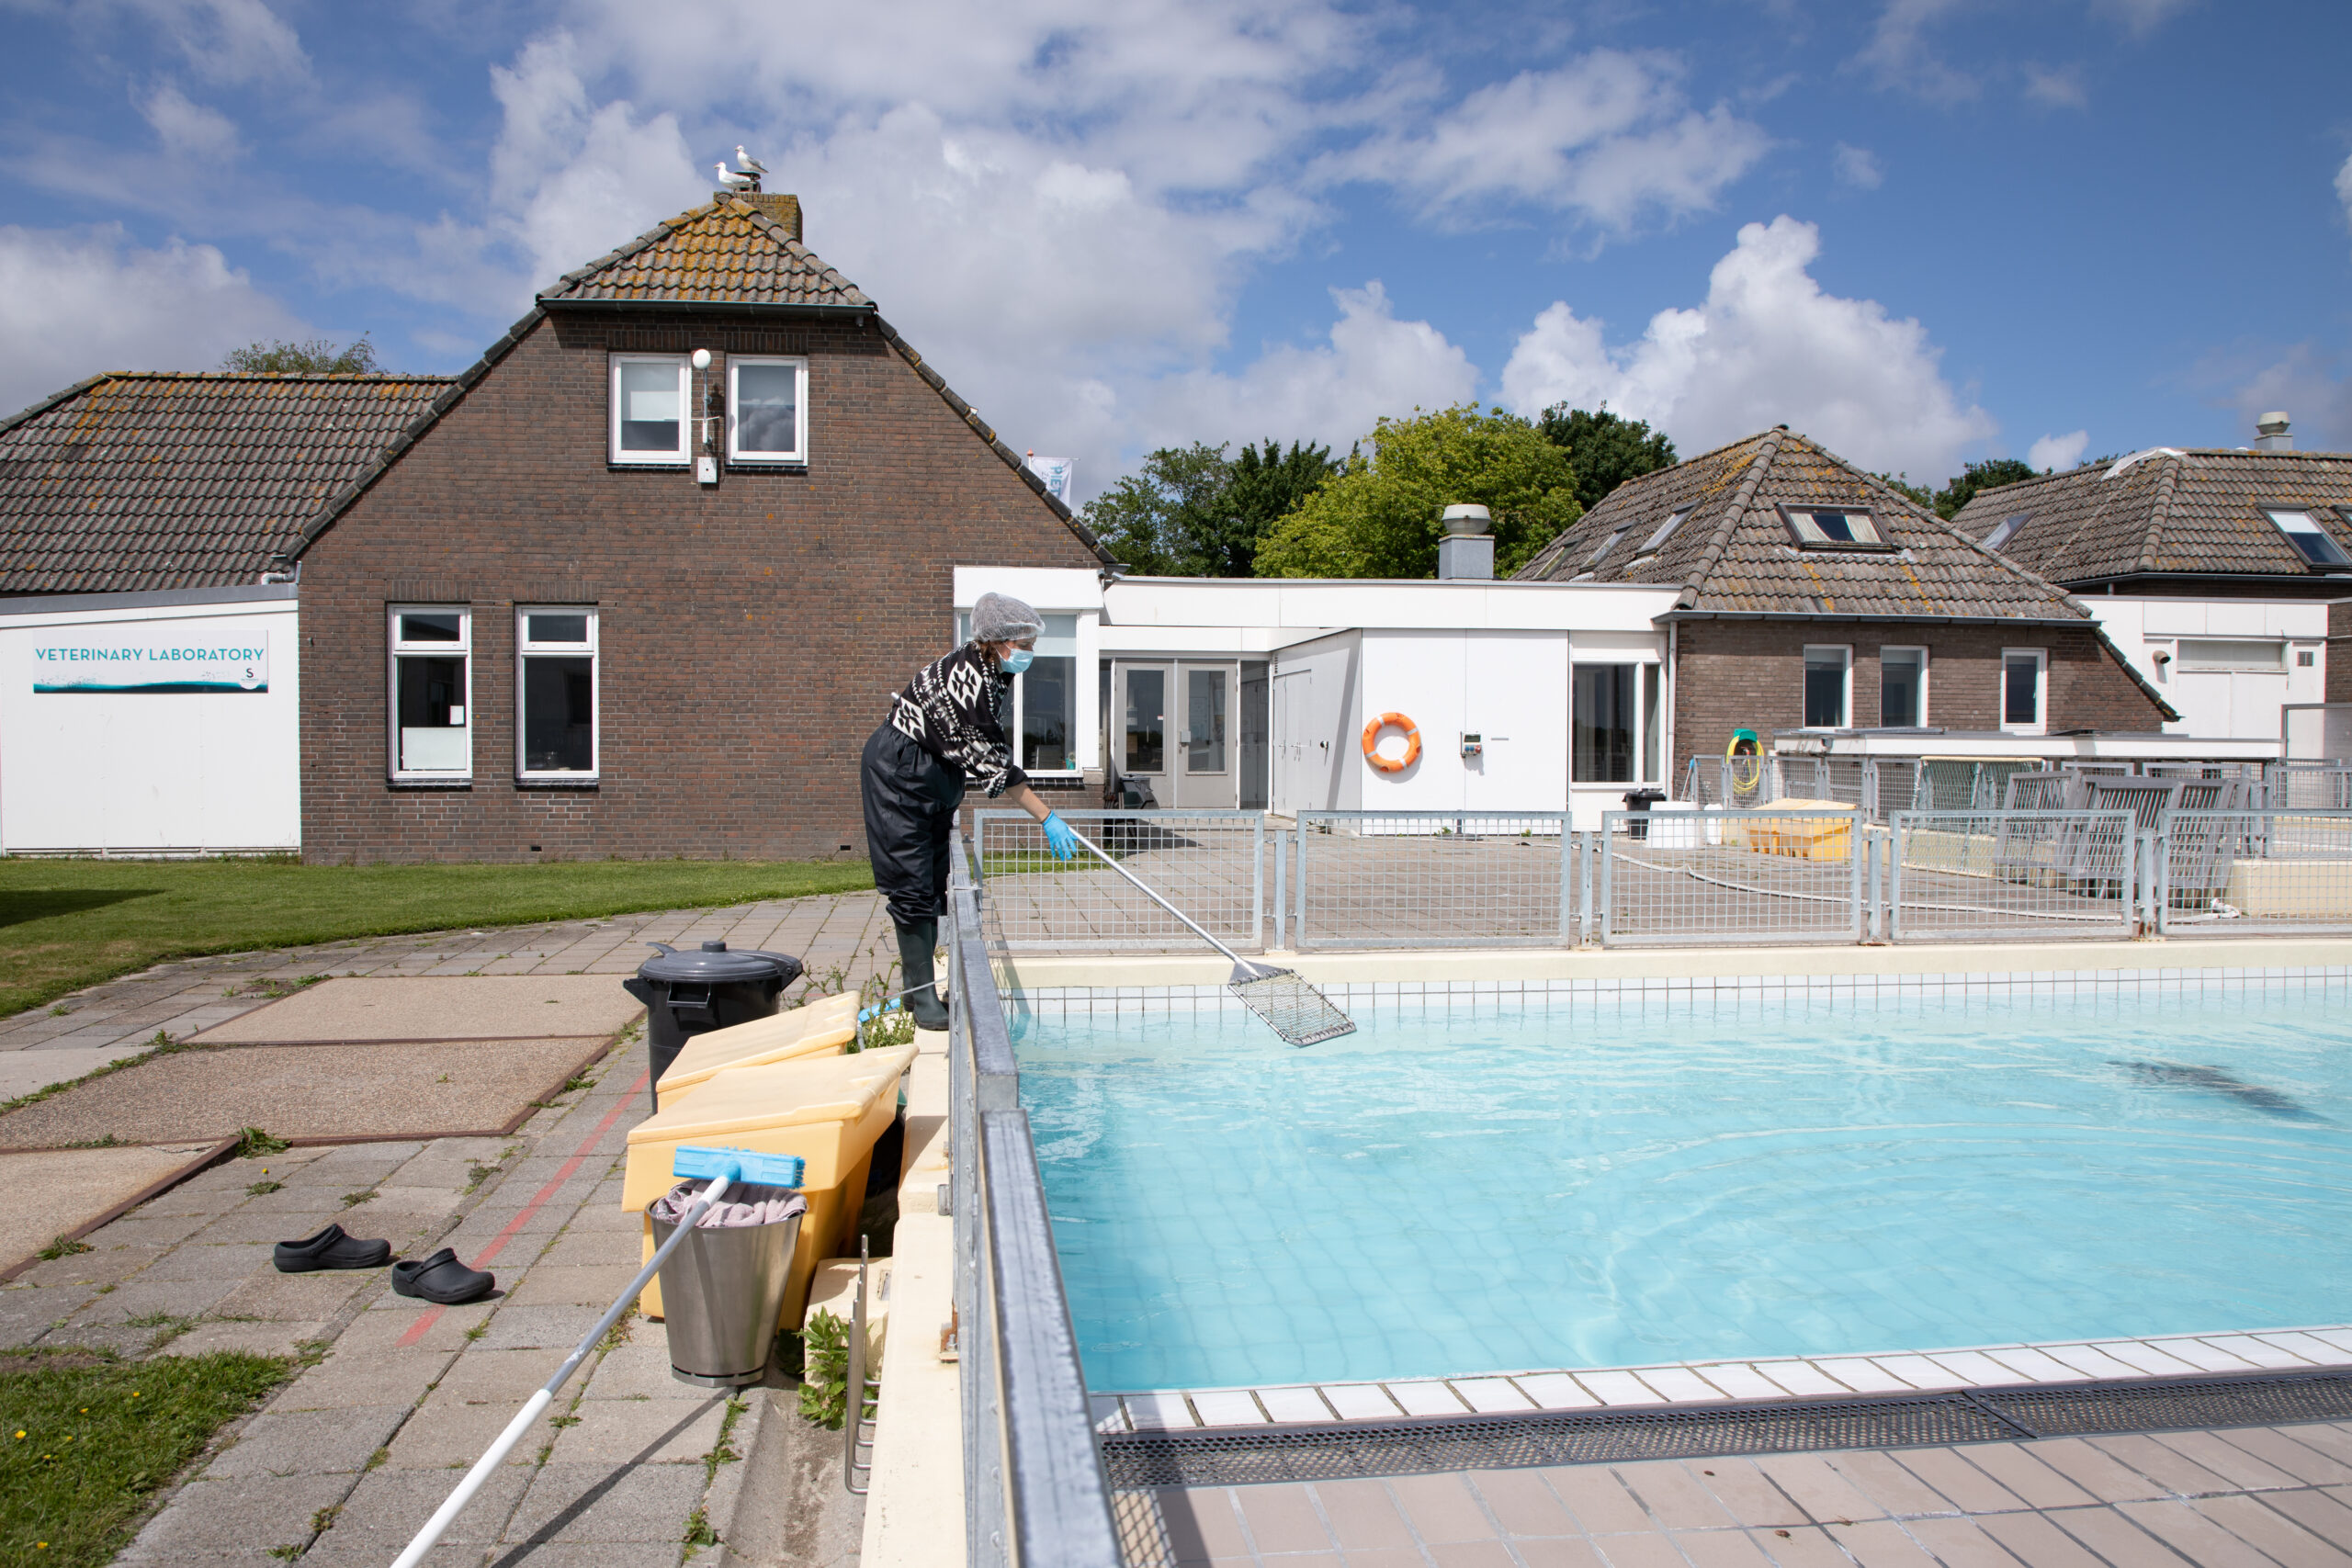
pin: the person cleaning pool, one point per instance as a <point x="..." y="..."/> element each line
<point x="944" y="732"/>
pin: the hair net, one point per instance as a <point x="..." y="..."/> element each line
<point x="999" y="617"/>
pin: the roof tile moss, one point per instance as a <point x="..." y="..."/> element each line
<point x="724" y="252"/>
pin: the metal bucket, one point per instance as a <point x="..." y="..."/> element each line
<point x="722" y="1292"/>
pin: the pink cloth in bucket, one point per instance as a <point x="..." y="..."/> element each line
<point x="725" y="1214"/>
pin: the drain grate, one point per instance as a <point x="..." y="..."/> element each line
<point x="1336" y="1451"/>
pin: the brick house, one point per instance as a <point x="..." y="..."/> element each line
<point x="1812" y="596"/>
<point x="639" y="582"/>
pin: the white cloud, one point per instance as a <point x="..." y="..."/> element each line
<point x="189" y="132"/>
<point x="2307" y="383"/>
<point x="2059" y="87"/>
<point x="228" y="42"/>
<point x="74" y="303"/>
<point x="1766" y="347"/>
<point x="2343" y="188"/>
<point x="1373" y="365"/>
<point x="1900" y="57"/>
<point x="2058" y="451"/>
<point x="1857" y="166"/>
<point x="2141" y="18"/>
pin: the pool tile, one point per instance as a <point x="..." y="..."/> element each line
<point x="2094" y="1471"/>
<point x="1295" y="1405"/>
<point x="1801" y="1378"/>
<point x="1739" y="1381"/>
<point x="2310" y="1346"/>
<point x="1363" y="1516"/>
<point x="1863" y="1375"/>
<point x="1949" y="1471"/>
<point x="1680" y="1384"/>
<point x="1554" y="1390"/>
<point x="2247" y="1347"/>
<point x="2198" y="1354"/>
<point x="1919" y="1372"/>
<point x="1617" y="1388"/>
<point x="2026" y="1474"/>
<point x="1491" y="1393"/>
<point x="1522" y="1503"/>
<point x="2033" y="1366"/>
<point x="1283" y="1518"/>
<point x="2090" y="1361"/>
<point x="1426" y="1397"/>
<point x="1360" y="1401"/>
<point x="1105" y="1409"/>
<point x="1158" y="1412"/>
<point x="1974" y="1366"/>
<point x="1226" y="1408"/>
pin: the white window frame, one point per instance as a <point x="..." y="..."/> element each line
<point x="1845" y="704"/>
<point x="1808" y="533"/>
<point x="2313" y="526"/>
<point x="2040" y="725"/>
<point x="676" y="458"/>
<point x="736" y="451"/>
<point x="524" y="650"/>
<point x="1921" y="651"/>
<point x="1642" y="729"/>
<point x="2007" y="529"/>
<point x="394" y="650"/>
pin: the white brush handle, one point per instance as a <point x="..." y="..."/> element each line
<point x="1190" y="923"/>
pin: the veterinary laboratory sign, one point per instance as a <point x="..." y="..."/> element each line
<point x="101" y="659"/>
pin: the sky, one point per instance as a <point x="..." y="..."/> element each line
<point x="1921" y="231"/>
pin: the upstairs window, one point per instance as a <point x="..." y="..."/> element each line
<point x="767" y="403"/>
<point x="2311" y="541"/>
<point x="1829" y="686"/>
<point x="1902" y="688"/>
<point x="648" y="408"/>
<point x="556" y="648"/>
<point x="2025" y="674"/>
<point x="1045" y="698"/>
<point x="2005" y="530"/>
<point x="1819" y="527"/>
<point x="1665" y="532"/>
<point x="1603" y="548"/>
<point x="432" y="692"/>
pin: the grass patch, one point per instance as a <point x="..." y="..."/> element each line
<point x="63" y="1247"/>
<point x="65" y="924"/>
<point x="100" y="1435"/>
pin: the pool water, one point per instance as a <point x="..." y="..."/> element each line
<point x="1448" y="1194"/>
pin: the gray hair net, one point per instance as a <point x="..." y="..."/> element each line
<point x="999" y="617"/>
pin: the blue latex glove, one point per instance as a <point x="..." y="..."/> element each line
<point x="1058" y="837"/>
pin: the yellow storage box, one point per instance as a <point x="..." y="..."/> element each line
<point x="819" y="1029"/>
<point x="827" y="1110"/>
<point x="1802" y="838"/>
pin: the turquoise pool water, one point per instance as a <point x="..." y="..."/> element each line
<point x="1444" y="1194"/>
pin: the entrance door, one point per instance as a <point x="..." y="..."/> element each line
<point x="1205" y="765"/>
<point x="1141" y="695"/>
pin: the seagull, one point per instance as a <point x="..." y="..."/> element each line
<point x="729" y="180"/>
<point x="748" y="163"/>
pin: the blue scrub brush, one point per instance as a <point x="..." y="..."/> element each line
<point x="695" y="1162"/>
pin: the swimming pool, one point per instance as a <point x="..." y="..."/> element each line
<point x="1484" y="1186"/>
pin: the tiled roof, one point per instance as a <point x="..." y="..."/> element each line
<point x="726" y="252"/>
<point x="137" y="481"/>
<point x="2169" y="512"/>
<point x="1733" y="553"/>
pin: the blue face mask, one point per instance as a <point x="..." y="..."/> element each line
<point x="1018" y="661"/>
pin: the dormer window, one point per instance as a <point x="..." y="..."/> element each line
<point x="1665" y="532"/>
<point x="2311" y="541"/>
<point x="1603" y="548"/>
<point x="2007" y="531"/>
<point x="1819" y="527"/>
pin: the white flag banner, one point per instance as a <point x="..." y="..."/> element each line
<point x="1055" y="472"/>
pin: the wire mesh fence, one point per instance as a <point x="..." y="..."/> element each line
<point x="2253" y="872"/>
<point x="1211" y="865"/>
<point x="2013" y="875"/>
<point x="1728" y="878"/>
<point x="2307" y="786"/>
<point x="1433" y="879"/>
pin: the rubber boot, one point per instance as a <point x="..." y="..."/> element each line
<point x="916" y="943"/>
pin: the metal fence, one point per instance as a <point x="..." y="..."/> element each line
<point x="2254" y="873"/>
<point x="1881" y="787"/>
<point x="1211" y="865"/>
<point x="2030" y="875"/>
<point x="1728" y="877"/>
<point x="1430" y="879"/>
<point x="1034" y="1492"/>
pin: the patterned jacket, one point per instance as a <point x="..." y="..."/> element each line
<point x="954" y="709"/>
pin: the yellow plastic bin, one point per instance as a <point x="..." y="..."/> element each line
<point x="827" y="1110"/>
<point x="819" y="1029"/>
<point x="1803" y="837"/>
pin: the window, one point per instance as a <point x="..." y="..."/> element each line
<point x="1046" y="698"/>
<point x="1665" y="532"/>
<point x="1828" y="673"/>
<point x="1902" y="688"/>
<point x="2311" y="541"/>
<point x="649" y="413"/>
<point x="556" y="649"/>
<point x="1146" y="700"/>
<point x="1607" y="731"/>
<point x="2211" y="653"/>
<point x="2022" y="679"/>
<point x="2005" y="530"/>
<point x="1603" y="548"/>
<point x="1205" y="721"/>
<point x="432" y="689"/>
<point x="1819" y="526"/>
<point x="766" y="410"/>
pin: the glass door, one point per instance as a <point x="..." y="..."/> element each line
<point x="1142" y="754"/>
<point x="1205" y="777"/>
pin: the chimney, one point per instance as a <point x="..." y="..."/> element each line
<point x="1467" y="551"/>
<point x="783" y="209"/>
<point x="2270" y="433"/>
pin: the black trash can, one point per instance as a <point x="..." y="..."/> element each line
<point x="1641" y="800"/>
<point x="687" y="994"/>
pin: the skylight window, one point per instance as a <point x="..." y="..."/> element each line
<point x="1665" y="532"/>
<point x="1821" y="526"/>
<point x="2311" y="541"/>
<point x="2007" y="531"/>
<point x="1603" y="548"/>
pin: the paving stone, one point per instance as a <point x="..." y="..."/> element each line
<point x="200" y="1259"/>
<point x="582" y="1503"/>
<point x="500" y="1377"/>
<point x="652" y="1431"/>
<point x="274" y="1336"/>
<point x="298" y="1297"/>
<point x="552" y="1284"/>
<point x="388" y="1506"/>
<point x="523" y="1327"/>
<point x="348" y="1380"/>
<point x="180" y="1298"/>
<point x="29" y="1313"/>
<point x="445" y="1434"/>
<point x="241" y="1518"/>
<point x="389" y="1320"/>
<point x="92" y="1268"/>
<point x="308" y="1442"/>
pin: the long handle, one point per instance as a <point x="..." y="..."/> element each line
<point x="495" y="1456"/>
<point x="1190" y="923"/>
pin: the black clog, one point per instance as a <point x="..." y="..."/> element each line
<point x="332" y="1247"/>
<point x="441" y="1278"/>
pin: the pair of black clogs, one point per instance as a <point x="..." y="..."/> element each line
<point x="440" y="1278"/>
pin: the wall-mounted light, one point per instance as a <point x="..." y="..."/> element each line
<point x="713" y="410"/>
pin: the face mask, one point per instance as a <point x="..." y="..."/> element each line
<point x="1018" y="661"/>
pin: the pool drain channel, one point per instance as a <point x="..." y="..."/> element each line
<point x="1344" y="1450"/>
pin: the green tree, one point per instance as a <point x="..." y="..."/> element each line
<point x="1192" y="511"/>
<point x="1379" y="516"/>
<point x="1919" y="495"/>
<point x="317" y="357"/>
<point x="1990" y="474"/>
<point x="1607" y="449"/>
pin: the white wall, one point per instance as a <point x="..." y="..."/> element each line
<point x="2220" y="704"/>
<point x="159" y="773"/>
<point x="1315" y="704"/>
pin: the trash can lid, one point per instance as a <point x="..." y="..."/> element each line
<point x="717" y="962"/>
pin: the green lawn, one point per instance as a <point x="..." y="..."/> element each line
<point x="69" y="923"/>
<point x="85" y="1438"/>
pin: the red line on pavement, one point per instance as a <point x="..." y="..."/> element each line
<point x="416" y="1330"/>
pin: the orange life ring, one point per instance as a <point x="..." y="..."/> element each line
<point x="1412" y="743"/>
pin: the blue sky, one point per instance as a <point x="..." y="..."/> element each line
<point x="1921" y="230"/>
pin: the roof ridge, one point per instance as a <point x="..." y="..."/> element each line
<point x="2167" y="481"/>
<point x="1720" y="540"/>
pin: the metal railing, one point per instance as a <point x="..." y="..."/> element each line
<point x="2255" y="872"/>
<point x="2013" y="875"/>
<point x="1431" y="879"/>
<point x="1879" y="788"/>
<point x="1682" y="877"/>
<point x="1034" y="1492"/>
<point x="1211" y="865"/>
